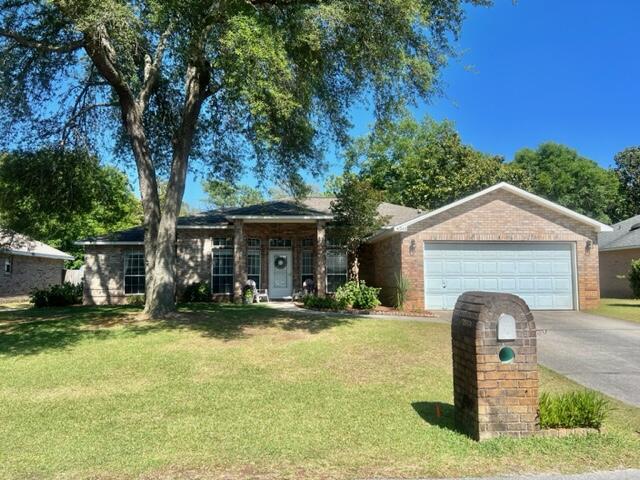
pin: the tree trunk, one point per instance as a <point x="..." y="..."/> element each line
<point x="161" y="296"/>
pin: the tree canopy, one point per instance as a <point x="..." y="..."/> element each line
<point x="561" y="175"/>
<point x="355" y="215"/>
<point x="261" y="82"/>
<point x="60" y="196"/>
<point x="221" y="194"/>
<point x="425" y="164"/>
<point x="628" y="171"/>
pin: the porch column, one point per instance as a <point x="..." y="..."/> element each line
<point x="239" y="261"/>
<point x="321" y="259"/>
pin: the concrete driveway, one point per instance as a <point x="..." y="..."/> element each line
<point x="598" y="352"/>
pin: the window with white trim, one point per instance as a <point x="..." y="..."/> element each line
<point x="8" y="266"/>
<point x="134" y="274"/>
<point x="336" y="268"/>
<point x="222" y="266"/>
<point x="253" y="260"/>
<point x="307" y="267"/>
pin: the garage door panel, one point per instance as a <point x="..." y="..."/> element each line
<point x="542" y="274"/>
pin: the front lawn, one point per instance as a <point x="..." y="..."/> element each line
<point x="246" y="392"/>
<point x="621" y="308"/>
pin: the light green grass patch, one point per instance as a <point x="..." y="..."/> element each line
<point x="237" y="392"/>
<point x="620" y="308"/>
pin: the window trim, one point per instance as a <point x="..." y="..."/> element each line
<point x="313" y="269"/>
<point x="124" y="273"/>
<point x="344" y="252"/>
<point x="286" y="243"/>
<point x="8" y="262"/>
<point x="227" y="249"/>
<point x="255" y="249"/>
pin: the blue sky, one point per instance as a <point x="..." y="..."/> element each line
<point x="540" y="70"/>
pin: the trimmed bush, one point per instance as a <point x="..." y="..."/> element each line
<point x="323" y="303"/>
<point x="56" y="295"/>
<point x="634" y="277"/>
<point x="136" y="300"/>
<point x="358" y="295"/>
<point x="583" y="409"/>
<point x="197" y="292"/>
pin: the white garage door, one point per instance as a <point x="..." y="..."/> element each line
<point x="540" y="273"/>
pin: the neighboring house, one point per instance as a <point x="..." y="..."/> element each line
<point x="617" y="249"/>
<point x="28" y="264"/>
<point x="499" y="239"/>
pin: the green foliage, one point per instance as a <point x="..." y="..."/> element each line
<point x="322" y="303"/>
<point x="403" y="285"/>
<point x="628" y="171"/>
<point x="583" y="409"/>
<point x="197" y="292"/>
<point x="357" y="295"/>
<point x="425" y="165"/>
<point x="60" y="196"/>
<point x="282" y="75"/>
<point x="56" y="295"/>
<point x="561" y="175"/>
<point x="221" y="194"/>
<point x="136" y="300"/>
<point x="634" y="277"/>
<point x="355" y="213"/>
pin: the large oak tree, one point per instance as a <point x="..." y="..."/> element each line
<point x="224" y="82"/>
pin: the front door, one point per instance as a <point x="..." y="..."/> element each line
<point x="280" y="274"/>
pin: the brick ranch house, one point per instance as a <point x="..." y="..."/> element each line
<point x="28" y="264"/>
<point x="617" y="249"/>
<point x="500" y="239"/>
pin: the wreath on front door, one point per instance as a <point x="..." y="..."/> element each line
<point x="280" y="262"/>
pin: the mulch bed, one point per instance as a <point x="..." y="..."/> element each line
<point x="392" y="312"/>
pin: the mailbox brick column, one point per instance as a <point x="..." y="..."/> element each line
<point x="321" y="258"/>
<point x="239" y="261"/>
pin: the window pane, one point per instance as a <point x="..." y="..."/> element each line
<point x="336" y="262"/>
<point x="134" y="275"/>
<point x="307" y="263"/>
<point x="222" y="262"/>
<point x="222" y="284"/>
<point x="279" y="242"/>
<point x="253" y="242"/>
<point x="223" y="242"/>
<point x="334" y="281"/>
<point x="307" y="242"/>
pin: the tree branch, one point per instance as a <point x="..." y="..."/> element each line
<point x="152" y="68"/>
<point x="42" y="46"/>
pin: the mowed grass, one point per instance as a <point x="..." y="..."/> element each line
<point x="621" y="308"/>
<point x="249" y="392"/>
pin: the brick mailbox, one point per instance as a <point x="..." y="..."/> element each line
<point x="495" y="368"/>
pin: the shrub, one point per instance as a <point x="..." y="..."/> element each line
<point x="358" y="295"/>
<point x="136" y="300"/>
<point x="247" y="295"/>
<point x="325" y="303"/>
<point x="56" y="295"/>
<point x="634" y="277"/>
<point x="402" y="288"/>
<point x="584" y="409"/>
<point x="197" y="292"/>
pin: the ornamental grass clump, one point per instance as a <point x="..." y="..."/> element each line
<point x="583" y="409"/>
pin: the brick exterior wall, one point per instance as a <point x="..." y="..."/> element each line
<point x="497" y="216"/>
<point x="493" y="398"/>
<point x="104" y="264"/>
<point x="29" y="273"/>
<point x="380" y="264"/>
<point x="614" y="265"/>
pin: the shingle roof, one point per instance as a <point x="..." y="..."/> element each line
<point x="312" y="207"/>
<point x="18" y="244"/>
<point x="623" y="236"/>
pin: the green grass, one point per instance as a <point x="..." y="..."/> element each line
<point x="238" y="392"/>
<point x="621" y="308"/>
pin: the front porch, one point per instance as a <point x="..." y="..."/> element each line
<point x="278" y="256"/>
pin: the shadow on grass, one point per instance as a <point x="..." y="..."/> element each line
<point x="624" y="305"/>
<point x="35" y="330"/>
<point x="437" y="414"/>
